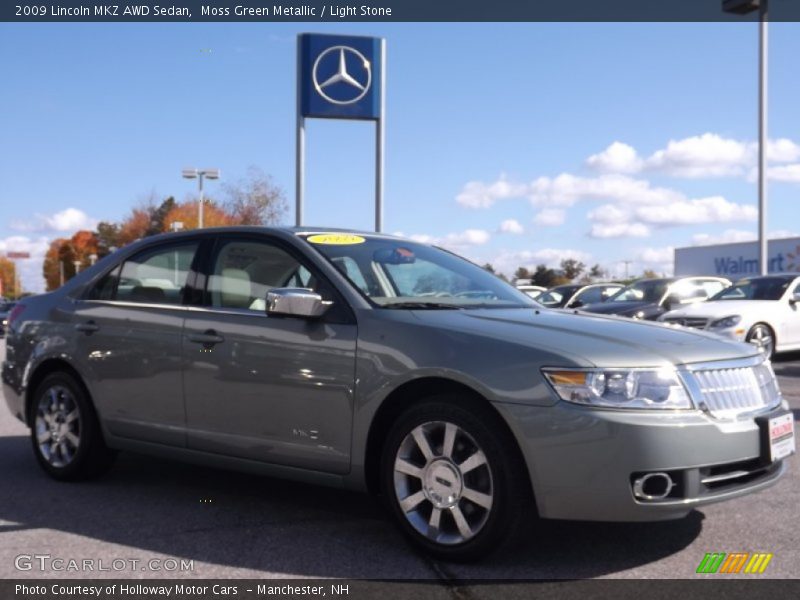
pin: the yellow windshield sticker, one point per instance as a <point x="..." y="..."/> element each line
<point x="336" y="239"/>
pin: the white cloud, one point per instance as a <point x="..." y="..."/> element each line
<point x="732" y="236"/>
<point x="781" y="150"/>
<point x="550" y="217"/>
<point x="630" y="220"/>
<point x="511" y="226"/>
<point x="714" y="209"/>
<point x="728" y="236"/>
<point x="617" y="158"/>
<point x="619" y="230"/>
<point x="566" y="190"/>
<point x="67" y="221"/>
<point x="707" y="155"/>
<point x="659" y="260"/>
<point x="477" y="194"/>
<point x="787" y="173"/>
<point x="453" y="241"/>
<point x="30" y="269"/>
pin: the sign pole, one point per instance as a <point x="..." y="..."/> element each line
<point x="762" y="139"/>
<point x="380" y="135"/>
<point x="300" y="169"/>
<point x="300" y="150"/>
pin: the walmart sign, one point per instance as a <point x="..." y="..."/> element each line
<point x="737" y="260"/>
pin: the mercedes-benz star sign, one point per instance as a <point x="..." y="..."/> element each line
<point x="342" y="86"/>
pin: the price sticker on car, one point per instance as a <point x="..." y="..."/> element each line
<point x="781" y="436"/>
<point x="336" y="239"/>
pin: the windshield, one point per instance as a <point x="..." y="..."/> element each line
<point x="395" y="273"/>
<point x="558" y="296"/>
<point x="765" y="288"/>
<point x="650" y="290"/>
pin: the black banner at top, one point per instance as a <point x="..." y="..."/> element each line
<point x="394" y="10"/>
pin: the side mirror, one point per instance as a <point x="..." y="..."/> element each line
<point x="575" y="304"/>
<point x="795" y="299"/>
<point x="296" y="302"/>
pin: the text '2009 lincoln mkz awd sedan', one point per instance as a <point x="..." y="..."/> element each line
<point x="372" y="362"/>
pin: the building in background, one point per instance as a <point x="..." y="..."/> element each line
<point x="739" y="259"/>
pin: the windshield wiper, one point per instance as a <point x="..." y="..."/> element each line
<point x="417" y="305"/>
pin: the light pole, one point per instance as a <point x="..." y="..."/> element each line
<point x="200" y="174"/>
<point x="743" y="7"/>
<point x="93" y="258"/>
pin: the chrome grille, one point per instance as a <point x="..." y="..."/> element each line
<point x="694" y="322"/>
<point x="731" y="392"/>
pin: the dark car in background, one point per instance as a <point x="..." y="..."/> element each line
<point x="5" y="309"/>
<point x="648" y="299"/>
<point x="574" y="295"/>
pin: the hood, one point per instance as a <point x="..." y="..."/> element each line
<point x="588" y="339"/>
<point x="617" y="308"/>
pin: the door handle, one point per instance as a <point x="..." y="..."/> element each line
<point x="208" y="338"/>
<point x="89" y="327"/>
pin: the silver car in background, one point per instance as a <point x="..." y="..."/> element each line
<point x="375" y="363"/>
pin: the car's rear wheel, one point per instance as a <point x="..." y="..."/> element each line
<point x="66" y="436"/>
<point x="761" y="335"/>
<point x="453" y="480"/>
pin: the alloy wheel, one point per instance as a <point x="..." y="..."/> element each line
<point x="443" y="482"/>
<point x="58" y="426"/>
<point x="761" y="336"/>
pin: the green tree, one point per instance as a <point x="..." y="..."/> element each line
<point x="544" y="276"/>
<point x="572" y="268"/>
<point x="522" y="273"/>
<point x="107" y="237"/>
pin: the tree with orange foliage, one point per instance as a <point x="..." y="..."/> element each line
<point x="84" y="244"/>
<point x="7" y="287"/>
<point x="134" y="227"/>
<point x="186" y="213"/>
<point x="60" y="251"/>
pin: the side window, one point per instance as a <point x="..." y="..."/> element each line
<point x="156" y="276"/>
<point x="105" y="288"/>
<point x="592" y="295"/>
<point x="244" y="271"/>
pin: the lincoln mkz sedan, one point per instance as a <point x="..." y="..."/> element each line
<point x="371" y="362"/>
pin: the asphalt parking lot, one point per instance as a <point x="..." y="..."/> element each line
<point x="232" y="525"/>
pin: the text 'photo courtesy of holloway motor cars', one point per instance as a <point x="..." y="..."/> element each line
<point x="376" y="363"/>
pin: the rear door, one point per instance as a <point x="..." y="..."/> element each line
<point x="128" y="336"/>
<point x="268" y="388"/>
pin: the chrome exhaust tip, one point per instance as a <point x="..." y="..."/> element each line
<point x="653" y="486"/>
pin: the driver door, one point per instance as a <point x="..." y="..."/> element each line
<point x="268" y="388"/>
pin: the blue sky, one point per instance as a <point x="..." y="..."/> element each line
<point x="516" y="144"/>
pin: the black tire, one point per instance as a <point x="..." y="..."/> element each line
<point x="762" y="335"/>
<point x="501" y="481"/>
<point x="62" y="413"/>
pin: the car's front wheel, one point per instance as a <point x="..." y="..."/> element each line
<point x="453" y="479"/>
<point x="66" y="436"/>
<point x="761" y="335"/>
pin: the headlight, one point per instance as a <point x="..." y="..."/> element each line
<point x="620" y="388"/>
<point x="725" y="322"/>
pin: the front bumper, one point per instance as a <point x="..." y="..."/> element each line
<point x="582" y="462"/>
